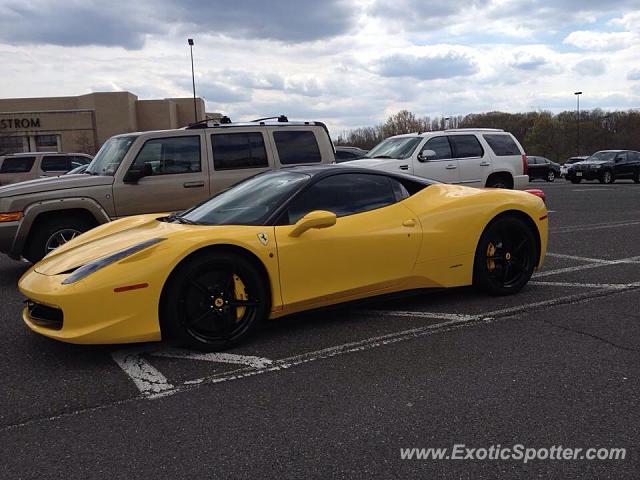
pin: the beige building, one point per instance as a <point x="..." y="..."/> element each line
<point x="83" y="123"/>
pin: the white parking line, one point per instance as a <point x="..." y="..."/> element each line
<point x="460" y="317"/>
<point x="575" y="257"/>
<point x="595" y="226"/>
<point x="602" y="263"/>
<point x="585" y="285"/>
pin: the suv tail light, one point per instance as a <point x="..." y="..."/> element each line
<point x="525" y="165"/>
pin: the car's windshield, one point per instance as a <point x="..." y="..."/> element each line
<point x="250" y="202"/>
<point x="402" y="147"/>
<point x="109" y="157"/>
<point x="602" y="157"/>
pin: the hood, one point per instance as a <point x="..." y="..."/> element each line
<point x="105" y="240"/>
<point x="599" y="162"/>
<point x="386" y="164"/>
<point x="54" y="183"/>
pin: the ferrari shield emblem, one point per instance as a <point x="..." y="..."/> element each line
<point x="264" y="238"/>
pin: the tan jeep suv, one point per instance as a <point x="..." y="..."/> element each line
<point x="159" y="171"/>
<point x="19" y="167"/>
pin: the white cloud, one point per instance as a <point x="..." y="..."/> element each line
<point x="591" y="67"/>
<point x="591" y="40"/>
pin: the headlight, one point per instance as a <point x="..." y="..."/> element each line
<point x="91" y="267"/>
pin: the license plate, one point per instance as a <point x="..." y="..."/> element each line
<point x="578" y="174"/>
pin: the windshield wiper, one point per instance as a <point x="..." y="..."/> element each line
<point x="177" y="218"/>
<point x="381" y="156"/>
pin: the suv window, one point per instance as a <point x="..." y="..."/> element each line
<point x="502" y="144"/>
<point x="297" y="147"/>
<point x="344" y="194"/>
<point x="239" y="150"/>
<point x="441" y="146"/>
<point x="466" y="146"/>
<point x="171" y="155"/>
<point x="17" y="164"/>
<point x="621" y="157"/>
<point x="58" y="163"/>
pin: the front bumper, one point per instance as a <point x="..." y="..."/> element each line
<point x="92" y="312"/>
<point x="584" y="174"/>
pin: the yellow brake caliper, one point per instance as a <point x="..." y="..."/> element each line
<point x="239" y="294"/>
<point x="491" y="251"/>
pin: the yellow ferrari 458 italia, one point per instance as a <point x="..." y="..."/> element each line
<point x="278" y="243"/>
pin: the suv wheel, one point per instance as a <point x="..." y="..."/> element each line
<point x="576" y="180"/>
<point x="636" y="176"/>
<point x="551" y="176"/>
<point x="499" y="181"/>
<point x="51" y="233"/>
<point x="607" y="177"/>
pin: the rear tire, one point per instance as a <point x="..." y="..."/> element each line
<point x="505" y="257"/>
<point x="500" y="181"/>
<point x="213" y="301"/>
<point x="50" y="233"/>
<point x="551" y="176"/>
<point x="636" y="177"/>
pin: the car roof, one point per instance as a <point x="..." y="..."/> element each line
<point x="326" y="170"/>
<point x="450" y="131"/>
<point x="31" y="154"/>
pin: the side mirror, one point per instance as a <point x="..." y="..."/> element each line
<point x="426" y="155"/>
<point x="135" y="173"/>
<point x="315" y="219"/>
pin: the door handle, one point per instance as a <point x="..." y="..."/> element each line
<point x="409" y="223"/>
<point x="451" y="166"/>
<point x="485" y="164"/>
<point x="193" y="184"/>
<point x="404" y="167"/>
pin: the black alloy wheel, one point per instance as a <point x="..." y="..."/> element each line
<point x="607" y="177"/>
<point x="214" y="301"/>
<point x="505" y="257"/>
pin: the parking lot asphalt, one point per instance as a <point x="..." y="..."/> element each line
<point x="337" y="393"/>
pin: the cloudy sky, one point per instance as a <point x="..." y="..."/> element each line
<point x="347" y="62"/>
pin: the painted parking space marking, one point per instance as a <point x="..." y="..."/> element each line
<point x="576" y="257"/>
<point x="600" y="263"/>
<point x="150" y="382"/>
<point x="584" y="285"/>
<point x="595" y="226"/>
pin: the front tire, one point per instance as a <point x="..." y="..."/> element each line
<point x="505" y="257"/>
<point x="551" y="176"/>
<point x="636" y="177"/>
<point x="607" y="177"/>
<point x="214" y="301"/>
<point x="576" y="180"/>
<point x="51" y="233"/>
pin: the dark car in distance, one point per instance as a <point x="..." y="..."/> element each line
<point x="344" y="154"/>
<point x="607" y="166"/>
<point x="543" y="168"/>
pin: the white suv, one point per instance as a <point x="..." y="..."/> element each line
<point x="478" y="157"/>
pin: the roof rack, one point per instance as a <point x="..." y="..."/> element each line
<point x="208" y="122"/>
<point x="281" y="119"/>
<point x="473" y="130"/>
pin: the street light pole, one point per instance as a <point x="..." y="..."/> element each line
<point x="193" y="81"/>
<point x="577" y="94"/>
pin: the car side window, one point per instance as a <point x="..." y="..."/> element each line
<point x="171" y="155"/>
<point x="17" y="164"/>
<point x="441" y="146"/>
<point x="239" y="150"/>
<point x="343" y="194"/>
<point x="621" y="157"/>
<point x="502" y="144"/>
<point x="466" y="146"/>
<point x="297" y="146"/>
<point x="55" y="163"/>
